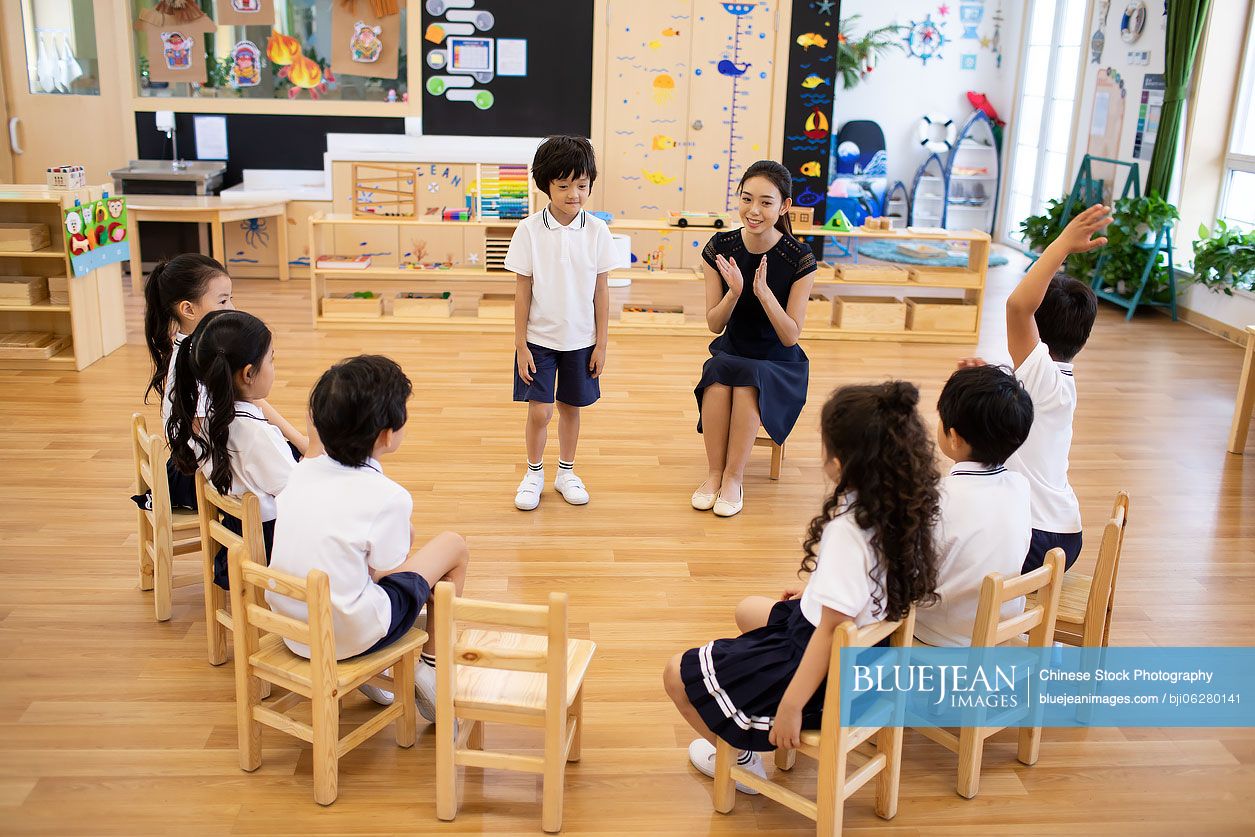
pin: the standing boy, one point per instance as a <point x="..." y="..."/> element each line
<point x="562" y="256"/>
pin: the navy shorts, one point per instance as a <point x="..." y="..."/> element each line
<point x="575" y="385"/>
<point x="1044" y="541"/>
<point x="408" y="593"/>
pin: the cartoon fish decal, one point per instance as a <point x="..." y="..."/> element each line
<point x="654" y="44"/>
<point x="662" y="142"/>
<point x="811" y="39"/>
<point x="816" y="125"/>
<point x="811" y="82"/>
<point x="657" y="178"/>
<point x="810" y="168"/>
<point x="670" y="32"/>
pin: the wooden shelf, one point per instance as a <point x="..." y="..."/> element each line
<point x="46" y="253"/>
<point x="964" y="286"/>
<point x="40" y="308"/>
<point x="63" y="359"/>
<point x="463" y="274"/>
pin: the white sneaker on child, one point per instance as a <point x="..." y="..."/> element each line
<point x="527" y="497"/>
<point x="702" y="755"/>
<point x="570" y="487"/>
<point x="380" y="696"/>
<point x="425" y="691"/>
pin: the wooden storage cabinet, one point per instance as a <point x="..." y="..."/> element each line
<point x="928" y="314"/>
<point x="869" y="313"/>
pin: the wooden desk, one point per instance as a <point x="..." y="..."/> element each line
<point x="205" y="209"/>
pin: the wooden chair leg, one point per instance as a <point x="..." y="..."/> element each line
<point x="446" y="749"/>
<point x="145" y="563"/>
<point x="216" y="632"/>
<point x="576" y="711"/>
<point x="1246" y="399"/>
<point x="971" y="750"/>
<point x="785" y="759"/>
<point x="889" y="742"/>
<point x="1030" y="745"/>
<point x="247" y="696"/>
<point x="829" y="803"/>
<point x="326" y="710"/>
<point x="777" y="457"/>
<point x="554" y="775"/>
<point x="403" y="679"/>
<point x="725" y="787"/>
<point x="163" y="577"/>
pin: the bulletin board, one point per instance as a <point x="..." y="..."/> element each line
<point x="504" y="68"/>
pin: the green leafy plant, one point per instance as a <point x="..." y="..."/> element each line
<point x="857" y="54"/>
<point x="1224" y="259"/>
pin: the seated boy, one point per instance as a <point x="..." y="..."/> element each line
<point x="1049" y="318"/>
<point x="341" y="515"/>
<point x="984" y="526"/>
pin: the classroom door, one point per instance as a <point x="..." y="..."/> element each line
<point x="63" y="98"/>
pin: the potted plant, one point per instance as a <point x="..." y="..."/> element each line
<point x="857" y="54"/>
<point x="1224" y="259"/>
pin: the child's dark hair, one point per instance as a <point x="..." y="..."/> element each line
<point x="224" y="343"/>
<point x="356" y="400"/>
<point x="889" y="473"/>
<point x="563" y="156"/>
<point x="781" y="179"/>
<point x="990" y="409"/>
<point x="184" y="277"/>
<point x="1066" y="317"/>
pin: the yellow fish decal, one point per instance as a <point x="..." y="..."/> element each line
<point x="811" y="82"/>
<point x="670" y="33"/>
<point x="810" y="168"/>
<point x="657" y="178"/>
<point x="655" y="44"/>
<point x="810" y="39"/>
<point x="663" y="142"/>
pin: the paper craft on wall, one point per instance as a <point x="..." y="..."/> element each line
<point x="1153" y="87"/>
<point x="1098" y="40"/>
<point x="924" y="39"/>
<point x="1105" y="126"/>
<point x="245" y="65"/>
<point x="303" y="72"/>
<point x="96" y="234"/>
<point x="245" y="12"/>
<point x="174" y="37"/>
<point x="364" y="42"/>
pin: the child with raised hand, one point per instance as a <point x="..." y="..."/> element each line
<point x="869" y="556"/>
<point x="227" y="364"/>
<point x="341" y="515"/>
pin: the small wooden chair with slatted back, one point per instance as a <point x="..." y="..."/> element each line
<point x="1038" y="621"/>
<point x="262" y="658"/>
<point x="1086" y="602"/>
<point x="512" y="678"/>
<point x="164" y="533"/>
<point x="847" y="757"/>
<point x="777" y="454"/>
<point x="212" y="506"/>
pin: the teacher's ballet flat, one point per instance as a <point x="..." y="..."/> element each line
<point x="724" y="508"/>
<point x="703" y="501"/>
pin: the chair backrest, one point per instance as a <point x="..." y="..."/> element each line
<point x="1037" y="620"/>
<point x="549" y="620"/>
<point x="1102" y="589"/>
<point x="151" y="453"/>
<point x="848" y="636"/>
<point x="212" y="505"/>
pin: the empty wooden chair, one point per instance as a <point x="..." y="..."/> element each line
<point x="847" y="757"/>
<point x="1038" y="620"/>
<point x="534" y="679"/>
<point x="163" y="532"/>
<point x="1246" y="397"/>
<point x="777" y="454"/>
<point x="262" y="658"/>
<point x="1086" y="602"/>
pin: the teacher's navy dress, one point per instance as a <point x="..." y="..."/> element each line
<point x="749" y="353"/>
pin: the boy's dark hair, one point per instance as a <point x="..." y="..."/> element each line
<point x="356" y="400"/>
<point x="563" y="156"/>
<point x="1066" y="317"/>
<point x="990" y="409"/>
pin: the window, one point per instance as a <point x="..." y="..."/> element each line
<point x="1237" y="191"/>
<point x="60" y="42"/>
<point x="1055" y="30"/>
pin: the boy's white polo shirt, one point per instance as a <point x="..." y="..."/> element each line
<point x="563" y="263"/>
<point x="1043" y="458"/>
<point x="344" y="521"/>
<point x="984" y="528"/>
<point x="261" y="460"/>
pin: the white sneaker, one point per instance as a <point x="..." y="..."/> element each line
<point x="528" y="495"/>
<point x="425" y="690"/>
<point x="702" y="755"/>
<point x="380" y="696"/>
<point x="570" y="487"/>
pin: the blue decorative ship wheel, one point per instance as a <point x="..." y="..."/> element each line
<point x="924" y="39"/>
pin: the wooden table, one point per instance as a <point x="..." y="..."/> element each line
<point x="213" y="210"/>
<point x="1246" y="397"/>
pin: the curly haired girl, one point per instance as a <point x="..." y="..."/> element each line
<point x="869" y="556"/>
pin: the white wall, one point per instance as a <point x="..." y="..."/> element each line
<point x="901" y="89"/>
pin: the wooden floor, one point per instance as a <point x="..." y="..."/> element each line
<point x="111" y="723"/>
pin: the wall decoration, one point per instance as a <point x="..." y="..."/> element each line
<point x="245" y="13"/>
<point x="857" y="54"/>
<point x="246" y="65"/>
<point x="1105" y="126"/>
<point x="1098" y="40"/>
<point x="994" y="42"/>
<point x="1133" y="21"/>
<point x="1139" y="58"/>
<point x="967" y="61"/>
<point x="816" y="125"/>
<point x="861" y="179"/>
<point x="174" y="36"/>
<point x="1153" y="89"/>
<point x="924" y="39"/>
<point x="303" y="72"/>
<point x="96" y="233"/>
<point x="364" y="42"/>
<point x="971" y="14"/>
<point x="365" y="46"/>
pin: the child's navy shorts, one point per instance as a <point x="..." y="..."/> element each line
<point x="575" y="385"/>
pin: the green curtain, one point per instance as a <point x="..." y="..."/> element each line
<point x="1185" y="26"/>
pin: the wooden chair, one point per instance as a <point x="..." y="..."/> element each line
<point x="847" y="757"/>
<point x="163" y="532"/>
<point x="1038" y="620"/>
<point x="262" y="658"/>
<point x="211" y="506"/>
<point x="1246" y="397"/>
<point x="534" y="679"/>
<point x="777" y="454"/>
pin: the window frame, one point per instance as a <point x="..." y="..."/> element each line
<point x="1243" y="103"/>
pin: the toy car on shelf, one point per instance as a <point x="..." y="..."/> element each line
<point x="697" y="219"/>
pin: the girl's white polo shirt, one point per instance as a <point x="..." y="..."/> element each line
<point x="261" y="460"/>
<point x="563" y="263"/>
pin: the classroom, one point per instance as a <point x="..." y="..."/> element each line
<point x="359" y="361"/>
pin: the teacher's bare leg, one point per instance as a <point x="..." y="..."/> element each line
<point x="716" y="420"/>
<point x="741" y="434"/>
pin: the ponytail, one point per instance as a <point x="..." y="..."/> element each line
<point x="224" y="343"/>
<point x="182" y="278"/>
<point x="782" y="180"/>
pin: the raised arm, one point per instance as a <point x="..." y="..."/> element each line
<point x="1077" y="237"/>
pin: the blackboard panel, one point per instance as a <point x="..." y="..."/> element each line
<point x="555" y="97"/>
